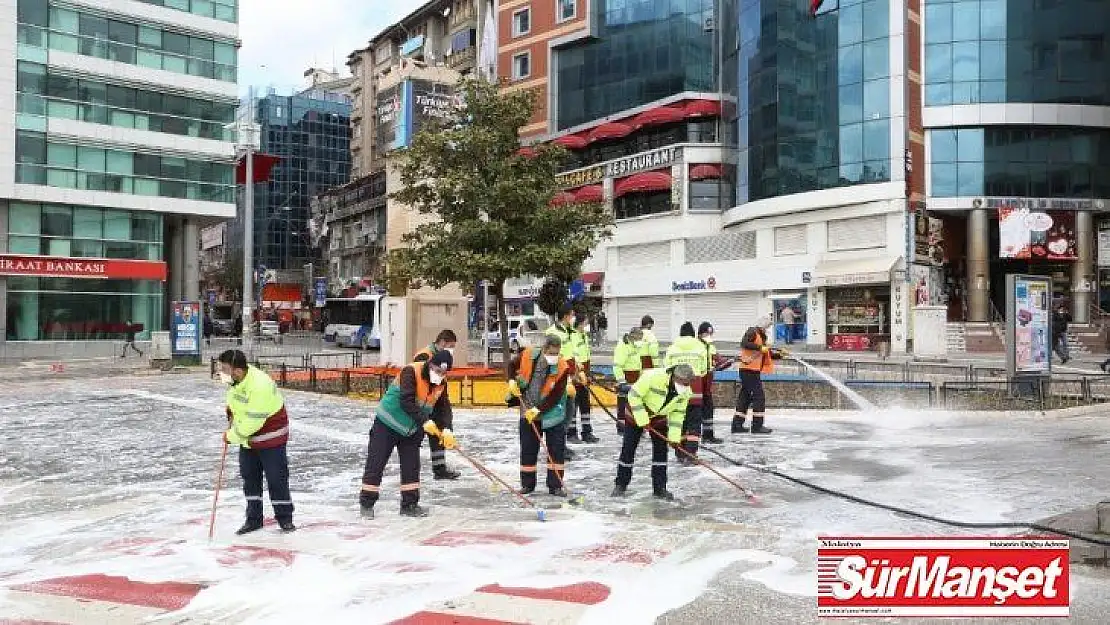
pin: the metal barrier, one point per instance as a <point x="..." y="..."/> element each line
<point x="1032" y="394"/>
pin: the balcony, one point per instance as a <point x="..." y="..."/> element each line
<point x="462" y="59"/>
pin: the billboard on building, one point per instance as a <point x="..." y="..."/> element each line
<point x="1043" y="235"/>
<point x="405" y="109"/>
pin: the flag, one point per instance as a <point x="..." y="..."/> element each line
<point x="487" y="49"/>
<point x="822" y="7"/>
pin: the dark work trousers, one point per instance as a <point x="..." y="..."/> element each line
<point x="622" y="411"/>
<point x="691" y="432"/>
<point x="579" y="408"/>
<point x="530" y="446"/>
<point x="632" y="436"/>
<point x="751" y="394"/>
<point x="378" y="451"/>
<point x="707" y="408"/>
<point x="439" y="456"/>
<point x="273" y="463"/>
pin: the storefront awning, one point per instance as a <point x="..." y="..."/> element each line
<point x="590" y="193"/>
<point x="703" y="108"/>
<point x="658" y="116"/>
<point x="641" y="183"/>
<point x="611" y="130"/>
<point x="593" y="280"/>
<point x="856" y="271"/>
<point x="571" y="142"/>
<point x="562" y="199"/>
<point x="707" y="171"/>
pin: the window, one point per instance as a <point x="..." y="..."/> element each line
<point x="567" y="10"/>
<point x="522" y="22"/>
<point x="522" y="66"/>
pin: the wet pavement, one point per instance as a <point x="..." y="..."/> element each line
<point x="113" y="477"/>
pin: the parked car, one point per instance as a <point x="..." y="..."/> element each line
<point x="523" y="332"/>
<point x="270" y="330"/>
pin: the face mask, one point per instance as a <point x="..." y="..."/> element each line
<point x="226" y="378"/>
<point x="681" y="388"/>
<point x="708" y="338"/>
<point x="638" y="343"/>
<point x="551" y="360"/>
<point x="436" y="378"/>
<point x="450" y="350"/>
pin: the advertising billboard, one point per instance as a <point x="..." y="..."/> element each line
<point x="1028" y="325"/>
<point x="403" y="110"/>
<point x="1043" y="235"/>
<point x="185" y="330"/>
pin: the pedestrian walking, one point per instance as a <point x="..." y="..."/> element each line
<point x="688" y="350"/>
<point x="657" y="401"/>
<point x="541" y="381"/>
<point x="1060" y="320"/>
<point x="445" y="341"/>
<point x="626" y="369"/>
<point x="259" y="425"/>
<point x="415" y="404"/>
<point x="208" y="329"/>
<point x="129" y="340"/>
<point x="756" y="358"/>
<point x="788" y="318"/>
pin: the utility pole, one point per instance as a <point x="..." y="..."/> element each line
<point x="248" y="127"/>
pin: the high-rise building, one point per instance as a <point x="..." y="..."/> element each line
<point x="114" y="151"/>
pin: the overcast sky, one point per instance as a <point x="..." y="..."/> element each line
<point x="283" y="38"/>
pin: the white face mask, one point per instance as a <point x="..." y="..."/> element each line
<point x="226" y="378"/>
<point x="638" y="343"/>
<point x="551" y="360"/>
<point x="681" y="388"/>
<point x="436" y="378"/>
<point x="708" y="338"/>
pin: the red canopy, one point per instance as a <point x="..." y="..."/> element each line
<point x="263" y="166"/>
<point x="611" y="130"/>
<point x="706" y="171"/>
<point x="590" y="193"/>
<point x="562" y="198"/>
<point x="643" y="182"/>
<point x="658" y="116"/>
<point x="572" y="142"/>
<point x="703" y="108"/>
<point x="526" y="152"/>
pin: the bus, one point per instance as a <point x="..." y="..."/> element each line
<point x="354" y="321"/>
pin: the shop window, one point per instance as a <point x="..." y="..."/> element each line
<point x="567" y="10"/>
<point x="642" y="204"/>
<point x="857" y="317"/>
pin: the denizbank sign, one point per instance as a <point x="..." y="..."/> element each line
<point x="708" y="284"/>
<point x="646" y="161"/>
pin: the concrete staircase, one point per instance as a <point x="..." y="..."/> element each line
<point x="1086" y="339"/>
<point x="983" y="338"/>
<point x="957" y="338"/>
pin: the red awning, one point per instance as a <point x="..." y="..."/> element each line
<point x="611" y="130"/>
<point x="526" y="152"/>
<point x="275" y="292"/>
<point x="571" y="142"/>
<point x="658" y="116"/>
<point x="641" y="183"/>
<point x="562" y="198"/>
<point x="263" y="166"/>
<point x="590" y="193"/>
<point x="593" y="280"/>
<point x="703" y="108"/>
<point x="707" y="171"/>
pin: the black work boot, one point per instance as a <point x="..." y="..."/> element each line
<point x="664" y="495"/>
<point x="367" y="511"/>
<point x="757" y="426"/>
<point x="572" y="436"/>
<point x="569" y="455"/>
<point x="443" y="473"/>
<point x="248" y="527"/>
<point x="413" y="510"/>
<point x="738" y="426"/>
<point x="557" y="492"/>
<point x="710" y="438"/>
<point x="286" y="525"/>
<point x="619" y="491"/>
<point x="588" y="437"/>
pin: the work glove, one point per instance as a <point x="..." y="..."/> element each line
<point x="764" y="349"/>
<point x="447" y="437"/>
<point x="514" y="388"/>
<point x="531" y="414"/>
<point x="571" y="391"/>
<point x="623" y="388"/>
<point x="674" y="436"/>
<point x="582" y="378"/>
<point x="432" y="429"/>
<point x="778" y="354"/>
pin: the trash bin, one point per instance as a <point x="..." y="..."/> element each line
<point x="160" y="346"/>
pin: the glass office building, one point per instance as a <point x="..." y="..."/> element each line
<point x="117" y="154"/>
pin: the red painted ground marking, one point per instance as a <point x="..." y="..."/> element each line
<point x="462" y="539"/>
<point x="438" y="618"/>
<point x="586" y="593"/>
<point x="264" y="556"/>
<point x="142" y="546"/>
<point x="621" y="554"/>
<point x="163" y="595"/>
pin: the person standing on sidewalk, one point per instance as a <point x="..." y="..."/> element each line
<point x="445" y="341"/>
<point x="259" y="425"/>
<point x="756" y="359"/>
<point x="626" y="370"/>
<point x="1060" y="320"/>
<point x="129" y="340"/>
<point x="602" y="328"/>
<point x="415" y="404"/>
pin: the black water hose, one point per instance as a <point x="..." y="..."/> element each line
<point x="882" y="506"/>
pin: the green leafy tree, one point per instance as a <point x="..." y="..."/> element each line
<point x="488" y="204"/>
<point x="553" y="294"/>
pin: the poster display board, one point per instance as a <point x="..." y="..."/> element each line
<point x="185" y="329"/>
<point x="1028" y="325"/>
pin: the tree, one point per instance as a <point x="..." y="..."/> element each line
<point x="553" y="294"/>
<point x="489" y="203"/>
<point x="228" y="276"/>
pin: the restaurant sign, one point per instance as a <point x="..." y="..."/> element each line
<point x="645" y="161"/>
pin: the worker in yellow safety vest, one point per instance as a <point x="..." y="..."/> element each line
<point x="626" y="369"/>
<point x="688" y="350"/>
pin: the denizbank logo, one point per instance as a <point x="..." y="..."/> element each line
<point x="708" y="284"/>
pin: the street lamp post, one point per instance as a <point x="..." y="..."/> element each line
<point x="246" y="130"/>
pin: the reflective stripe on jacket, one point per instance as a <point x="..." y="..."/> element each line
<point x="392" y="411"/>
<point x="648" y="400"/>
<point x="552" y="395"/>
<point x="258" y="416"/>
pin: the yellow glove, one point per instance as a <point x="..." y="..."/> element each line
<point x="514" y="388"/>
<point x="448" y="439"/>
<point x="432" y="429"/>
<point x="571" y="391"/>
<point x="764" y="349"/>
<point x="531" y="414"/>
<point x="582" y="378"/>
<point x="674" y="436"/>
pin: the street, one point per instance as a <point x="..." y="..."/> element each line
<point x="107" y="490"/>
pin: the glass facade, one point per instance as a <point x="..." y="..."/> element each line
<point x="66" y="30"/>
<point x="223" y="10"/>
<point x="1042" y="51"/>
<point x="311" y="133"/>
<point x="644" y="50"/>
<point x="43" y="93"/>
<point x="1020" y="161"/>
<point x="812" y="96"/>
<point x="75" y="309"/>
<point x="55" y="164"/>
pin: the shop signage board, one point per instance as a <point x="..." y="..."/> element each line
<point x="1028" y="325"/>
<point x="185" y="329"/>
<point x="66" y="267"/>
<point x="320" y="289"/>
<point x="1039" y="204"/>
<point x="645" y="161"/>
<point x="707" y="284"/>
<point x="1104" y="243"/>
<point x="1026" y="234"/>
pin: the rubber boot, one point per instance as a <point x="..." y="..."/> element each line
<point x="738" y="426"/>
<point x="757" y="426"/>
<point x="443" y="473"/>
<point x="413" y="510"/>
<point x="619" y="491"/>
<point x="664" y="495"/>
<point x="709" y="437"/>
<point x="367" y="512"/>
<point x="287" y="526"/>
<point x="557" y="492"/>
<point x="248" y="527"/>
<point x="572" y="436"/>
<point x="588" y="436"/>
